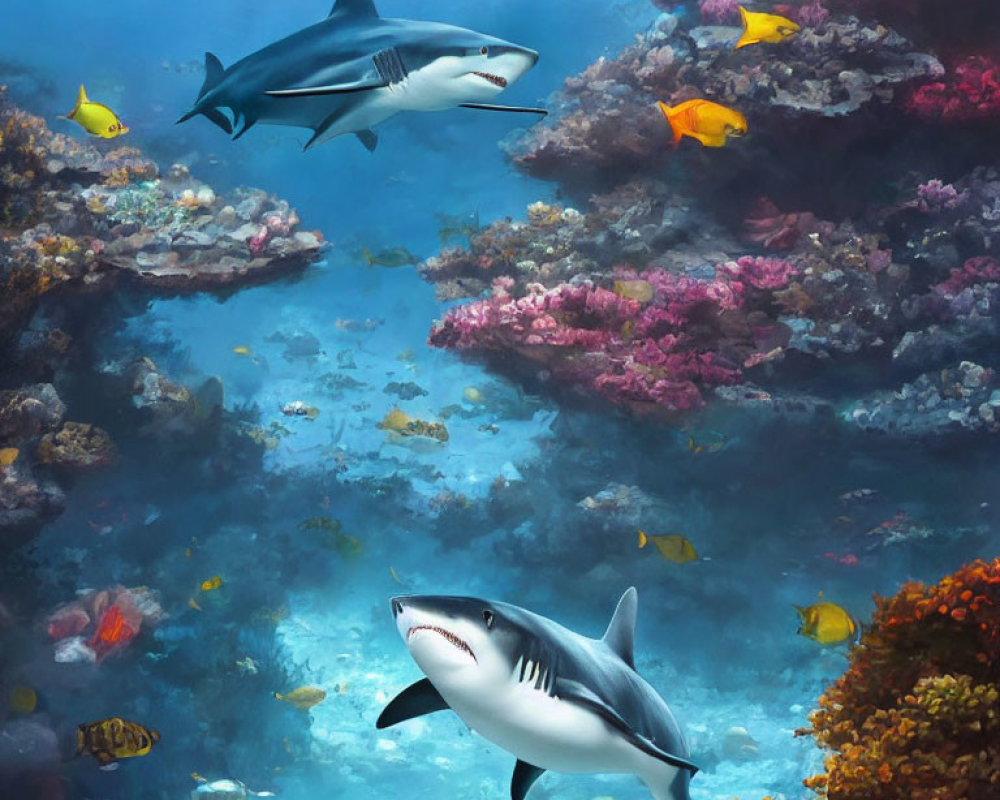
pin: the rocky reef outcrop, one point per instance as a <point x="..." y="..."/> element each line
<point x="79" y="222"/>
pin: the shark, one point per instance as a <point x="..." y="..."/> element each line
<point x="554" y="699"/>
<point x="355" y="69"/>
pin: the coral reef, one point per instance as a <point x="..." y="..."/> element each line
<point x="608" y="125"/>
<point x="171" y="234"/>
<point x="917" y="714"/>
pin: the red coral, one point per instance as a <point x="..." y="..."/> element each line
<point x="773" y="229"/>
<point x="971" y="91"/>
<point x="980" y="269"/>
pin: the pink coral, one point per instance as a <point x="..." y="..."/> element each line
<point x="258" y="241"/>
<point x="980" y="269"/>
<point x="629" y="351"/>
<point x="971" y="91"/>
<point x="719" y="11"/>
<point x="759" y="272"/>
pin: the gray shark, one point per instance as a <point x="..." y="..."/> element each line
<point x="354" y="69"/>
<point x="553" y="698"/>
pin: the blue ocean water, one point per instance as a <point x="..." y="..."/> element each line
<point x="716" y="637"/>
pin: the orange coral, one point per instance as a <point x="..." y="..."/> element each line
<point x="917" y="714"/>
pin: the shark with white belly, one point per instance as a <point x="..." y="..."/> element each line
<point x="354" y="69"/>
<point x="554" y="699"/>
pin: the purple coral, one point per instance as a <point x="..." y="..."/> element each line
<point x="719" y="11"/>
<point x="935" y="195"/>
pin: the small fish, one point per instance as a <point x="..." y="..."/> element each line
<point x="708" y="122"/>
<point x="457" y="226"/>
<point x="212" y="583"/>
<point x="639" y="290"/>
<point x="672" y="546"/>
<point x="759" y="27"/>
<point x="395" y="576"/>
<point x="8" y="455"/>
<point x="96" y="118"/>
<point x="392" y="257"/>
<point x="305" y="697"/>
<point x="192" y="603"/>
<point x="243" y="350"/>
<point x="22" y="699"/>
<point x="826" y="623"/>
<point x="110" y="739"/>
<point x="705" y="441"/>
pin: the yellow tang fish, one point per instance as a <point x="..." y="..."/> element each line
<point x="22" y="699"/>
<point x="708" y="122"/>
<point x="305" y="697"/>
<point x="212" y="583"/>
<point x="107" y="740"/>
<point x="759" y="27"/>
<point x="243" y="350"/>
<point x="8" y="455"/>
<point x="826" y="623"/>
<point x="96" y="118"/>
<point x="672" y="546"/>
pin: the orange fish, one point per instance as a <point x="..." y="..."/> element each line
<point x="708" y="122"/>
<point x="113" y="632"/>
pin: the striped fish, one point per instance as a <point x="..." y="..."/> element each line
<point x="107" y="740"/>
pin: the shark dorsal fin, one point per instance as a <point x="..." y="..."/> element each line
<point x="620" y="635"/>
<point x="354" y="8"/>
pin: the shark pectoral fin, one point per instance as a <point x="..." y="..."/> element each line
<point x="368" y="138"/>
<point x="515" y="109"/>
<point x="525" y="775"/>
<point x="247" y="125"/>
<point x="575" y="692"/>
<point x="414" y="701"/>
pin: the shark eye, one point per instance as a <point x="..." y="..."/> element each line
<point x="484" y="50"/>
<point x="488" y="618"/>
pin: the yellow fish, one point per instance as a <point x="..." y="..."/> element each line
<point x="243" y="350"/>
<point x="96" y="118"/>
<point x="305" y="697"/>
<point x="8" y="455"/>
<point x="107" y="740"/>
<point x="212" y="583"/>
<point x="22" y="699"/>
<point x="826" y="623"/>
<point x="759" y="27"/>
<point x="672" y="546"/>
<point x="708" y="122"/>
<point x="638" y="290"/>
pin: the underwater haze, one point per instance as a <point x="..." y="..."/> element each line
<point x="709" y="309"/>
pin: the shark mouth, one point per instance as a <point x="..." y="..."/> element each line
<point x="451" y="637"/>
<point x="496" y="80"/>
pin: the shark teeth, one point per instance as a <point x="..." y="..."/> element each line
<point x="496" y="80"/>
<point x="451" y="637"/>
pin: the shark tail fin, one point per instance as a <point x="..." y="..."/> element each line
<point x="214" y="73"/>
<point x="620" y="635"/>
